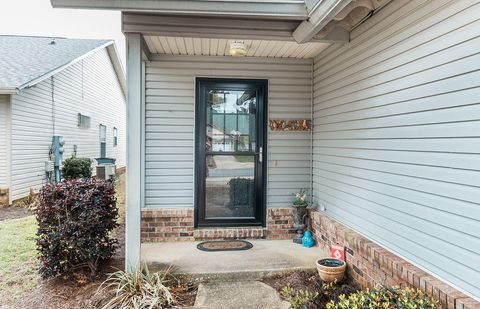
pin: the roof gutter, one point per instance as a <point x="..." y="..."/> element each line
<point x="8" y="90"/>
<point x="292" y="9"/>
<point x="319" y="16"/>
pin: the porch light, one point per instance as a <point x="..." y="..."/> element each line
<point x="238" y="49"/>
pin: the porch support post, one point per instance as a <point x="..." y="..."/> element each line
<point x="134" y="151"/>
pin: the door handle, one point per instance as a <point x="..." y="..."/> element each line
<point x="260" y="154"/>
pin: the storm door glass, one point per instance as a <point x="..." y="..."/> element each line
<point x="231" y="162"/>
<point x="230" y="154"/>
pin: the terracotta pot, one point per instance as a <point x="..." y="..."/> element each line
<point x="331" y="269"/>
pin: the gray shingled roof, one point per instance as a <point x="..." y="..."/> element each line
<point x="24" y="59"/>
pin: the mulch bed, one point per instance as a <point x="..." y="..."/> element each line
<point x="303" y="280"/>
<point x="14" y="213"/>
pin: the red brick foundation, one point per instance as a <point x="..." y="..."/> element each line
<point x="160" y="225"/>
<point x="280" y="223"/>
<point x="371" y="265"/>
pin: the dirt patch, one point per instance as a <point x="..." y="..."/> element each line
<point x="14" y="213"/>
<point x="309" y="281"/>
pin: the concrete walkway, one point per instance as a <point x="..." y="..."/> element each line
<point x="265" y="258"/>
<point x="238" y="295"/>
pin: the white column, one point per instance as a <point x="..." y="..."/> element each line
<point x="134" y="151"/>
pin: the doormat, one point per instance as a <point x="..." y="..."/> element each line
<point x="224" y="245"/>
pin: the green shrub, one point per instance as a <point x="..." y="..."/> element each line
<point x="298" y="299"/>
<point x="394" y="297"/>
<point x="139" y="289"/>
<point x="74" y="168"/>
<point x="75" y="219"/>
<point x="241" y="191"/>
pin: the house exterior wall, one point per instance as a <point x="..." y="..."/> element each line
<point x="4" y="138"/>
<point x="51" y="108"/>
<point x="396" y="143"/>
<point x="170" y="119"/>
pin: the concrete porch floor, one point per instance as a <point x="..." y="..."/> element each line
<point x="267" y="257"/>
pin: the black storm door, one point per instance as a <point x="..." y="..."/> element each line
<point x="230" y="152"/>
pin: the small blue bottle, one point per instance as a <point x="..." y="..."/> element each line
<point x="307" y="240"/>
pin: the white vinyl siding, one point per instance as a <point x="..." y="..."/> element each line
<point x="89" y="87"/>
<point x="170" y="119"/>
<point x="396" y="138"/>
<point x="4" y="138"/>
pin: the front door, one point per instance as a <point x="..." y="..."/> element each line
<point x="230" y="152"/>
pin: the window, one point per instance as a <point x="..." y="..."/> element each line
<point x="115" y="137"/>
<point x="83" y="121"/>
<point x="103" y="141"/>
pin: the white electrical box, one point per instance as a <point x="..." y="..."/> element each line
<point x="49" y="166"/>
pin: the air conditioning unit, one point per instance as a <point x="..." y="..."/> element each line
<point x="106" y="171"/>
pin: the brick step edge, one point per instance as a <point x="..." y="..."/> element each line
<point x="229" y="233"/>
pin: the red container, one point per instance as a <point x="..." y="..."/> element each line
<point x="338" y="252"/>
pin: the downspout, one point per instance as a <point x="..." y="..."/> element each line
<point x="311" y="129"/>
<point x="53" y="104"/>
<point x="9" y="139"/>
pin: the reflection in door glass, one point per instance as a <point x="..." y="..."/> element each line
<point x="230" y="186"/>
<point x="231" y="120"/>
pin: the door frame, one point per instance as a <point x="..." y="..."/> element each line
<point x="199" y="168"/>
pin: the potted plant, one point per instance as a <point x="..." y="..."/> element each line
<point x="300" y="214"/>
<point x="331" y="269"/>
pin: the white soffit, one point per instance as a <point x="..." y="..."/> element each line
<point x="220" y="47"/>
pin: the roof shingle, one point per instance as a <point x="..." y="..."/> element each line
<point x="26" y="58"/>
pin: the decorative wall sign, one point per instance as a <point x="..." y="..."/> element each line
<point x="290" y="125"/>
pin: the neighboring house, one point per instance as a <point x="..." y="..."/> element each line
<point x="72" y="88"/>
<point x="392" y="89"/>
<point x="220" y="140"/>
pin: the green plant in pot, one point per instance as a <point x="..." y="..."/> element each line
<point x="300" y="214"/>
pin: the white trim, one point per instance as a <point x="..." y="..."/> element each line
<point x="9" y="149"/>
<point x="228" y="59"/>
<point x="143" y="142"/>
<point x="8" y="91"/>
<point x="118" y="67"/>
<point x="146" y="56"/>
<point x="293" y="9"/>
<point x="134" y="152"/>
<point x="218" y="27"/>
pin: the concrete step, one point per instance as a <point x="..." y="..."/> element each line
<point x="238" y="295"/>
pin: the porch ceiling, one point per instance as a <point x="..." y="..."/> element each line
<point x="220" y="47"/>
